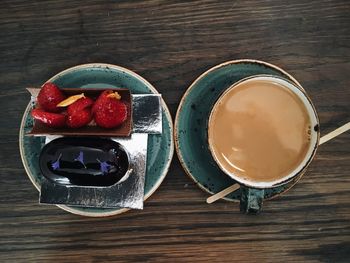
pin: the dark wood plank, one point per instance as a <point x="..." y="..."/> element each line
<point x="170" y="43"/>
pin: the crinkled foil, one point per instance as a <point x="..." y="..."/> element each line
<point x="147" y="114"/>
<point x="129" y="192"/>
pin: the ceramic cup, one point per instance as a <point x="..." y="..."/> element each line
<point x="252" y="192"/>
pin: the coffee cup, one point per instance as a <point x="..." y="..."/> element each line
<point x="263" y="132"/>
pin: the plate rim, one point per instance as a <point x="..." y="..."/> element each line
<point x="171" y="148"/>
<point x="179" y="109"/>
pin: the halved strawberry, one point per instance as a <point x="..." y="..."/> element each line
<point x="49" y="96"/>
<point x="79" y="105"/>
<point x="101" y="100"/>
<point x="111" y="114"/>
<point x="55" y="120"/>
<point x="79" y="118"/>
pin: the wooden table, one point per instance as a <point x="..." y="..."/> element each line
<point x="170" y="43"/>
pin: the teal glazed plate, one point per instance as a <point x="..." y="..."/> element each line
<point x="192" y="121"/>
<point x="160" y="147"/>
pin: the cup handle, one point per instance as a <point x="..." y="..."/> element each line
<point x="251" y="200"/>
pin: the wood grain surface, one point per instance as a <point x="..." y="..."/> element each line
<point x="170" y="43"/>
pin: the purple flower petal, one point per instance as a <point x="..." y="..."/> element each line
<point x="104" y="167"/>
<point x="80" y="158"/>
<point x="56" y="165"/>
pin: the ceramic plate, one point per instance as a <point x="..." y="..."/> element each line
<point x="160" y="147"/>
<point x="192" y="120"/>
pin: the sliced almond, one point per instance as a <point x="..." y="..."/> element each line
<point x="70" y="100"/>
<point x="114" y="95"/>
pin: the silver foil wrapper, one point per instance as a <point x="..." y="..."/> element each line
<point x="147" y="114"/>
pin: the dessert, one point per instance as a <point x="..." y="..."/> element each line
<point x="55" y="110"/>
<point x="84" y="162"/>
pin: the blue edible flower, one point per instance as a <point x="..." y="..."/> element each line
<point x="104" y="166"/>
<point x="56" y="165"/>
<point x="80" y="158"/>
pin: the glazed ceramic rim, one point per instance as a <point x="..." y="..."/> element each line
<point x="314" y="131"/>
<point x="167" y="165"/>
<point x="179" y="109"/>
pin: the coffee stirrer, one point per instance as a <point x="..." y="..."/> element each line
<point x="234" y="187"/>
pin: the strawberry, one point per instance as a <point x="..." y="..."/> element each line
<point x="79" y="118"/>
<point x="49" y="96"/>
<point x="79" y="105"/>
<point x="55" y="120"/>
<point x="108" y="110"/>
<point x="101" y="100"/>
<point x="79" y="113"/>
